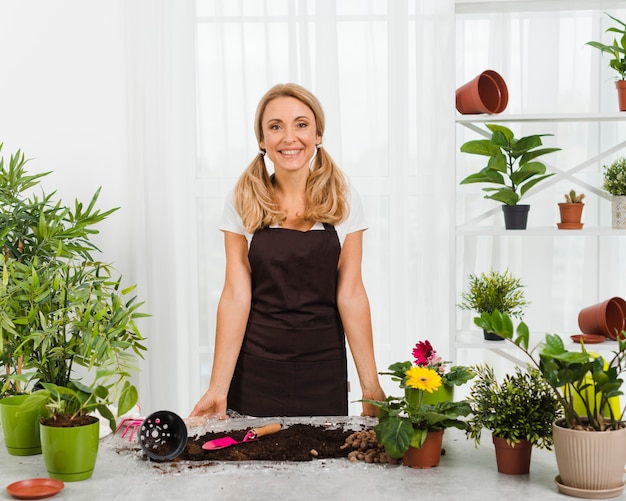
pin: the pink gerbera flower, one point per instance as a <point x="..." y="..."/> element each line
<point x="423" y="353"/>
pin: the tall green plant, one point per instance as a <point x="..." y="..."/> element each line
<point x="511" y="166"/>
<point x="492" y="291"/>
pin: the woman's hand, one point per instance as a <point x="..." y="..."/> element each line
<point x="210" y="406"/>
<point x="369" y="409"/>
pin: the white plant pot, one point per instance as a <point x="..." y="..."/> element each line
<point x="618" y="211"/>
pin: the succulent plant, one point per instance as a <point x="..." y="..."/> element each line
<point x="572" y="198"/>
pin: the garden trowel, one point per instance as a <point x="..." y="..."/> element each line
<point x="252" y="435"/>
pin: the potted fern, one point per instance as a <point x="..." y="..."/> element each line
<point x="519" y="412"/>
<point x="492" y="291"/>
<point x="512" y="170"/>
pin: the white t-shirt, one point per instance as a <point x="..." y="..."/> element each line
<point x="355" y="221"/>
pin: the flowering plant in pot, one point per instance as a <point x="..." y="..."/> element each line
<point x="519" y="411"/>
<point x="585" y="384"/>
<point x="406" y="421"/>
<point x="512" y="168"/>
<point x="492" y="291"/>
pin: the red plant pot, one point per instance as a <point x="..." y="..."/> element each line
<point x="487" y="93"/>
<point x="606" y="318"/>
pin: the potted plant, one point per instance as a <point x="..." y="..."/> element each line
<point x="615" y="185"/>
<point x="492" y="291"/>
<point x="408" y="426"/>
<point x="617" y="51"/>
<point x="590" y="440"/>
<point x="571" y="211"/>
<point x="511" y="167"/>
<point x="519" y="412"/>
<point x="62" y="310"/>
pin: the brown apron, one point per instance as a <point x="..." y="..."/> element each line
<point x="293" y="358"/>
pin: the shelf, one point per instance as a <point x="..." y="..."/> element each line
<point x="517" y="6"/>
<point x="540" y="232"/>
<point x="474" y="340"/>
<point x="543" y="117"/>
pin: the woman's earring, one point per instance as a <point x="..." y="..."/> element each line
<point x="261" y="152"/>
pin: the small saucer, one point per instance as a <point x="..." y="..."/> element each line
<point x="570" y="226"/>
<point x="588" y="493"/>
<point x="588" y="338"/>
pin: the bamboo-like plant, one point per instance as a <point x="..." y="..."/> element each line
<point x="617" y="49"/>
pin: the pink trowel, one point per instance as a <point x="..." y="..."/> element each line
<point x="252" y="435"/>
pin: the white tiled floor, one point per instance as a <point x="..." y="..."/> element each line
<point x="465" y="473"/>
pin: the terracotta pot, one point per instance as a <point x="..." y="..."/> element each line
<point x="486" y="93"/>
<point x="618" y="211"/>
<point x="571" y="214"/>
<point x="512" y="460"/>
<point x="606" y="318"/>
<point x="515" y="216"/>
<point x="620" y="85"/>
<point x="589" y="461"/>
<point x="428" y="455"/>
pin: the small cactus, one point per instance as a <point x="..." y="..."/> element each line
<point x="572" y="198"/>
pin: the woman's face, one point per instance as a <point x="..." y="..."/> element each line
<point x="289" y="133"/>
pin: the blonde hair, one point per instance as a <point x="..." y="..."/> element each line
<point x="255" y="198"/>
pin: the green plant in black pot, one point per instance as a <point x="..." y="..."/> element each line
<point x="492" y="291"/>
<point x="512" y="168"/>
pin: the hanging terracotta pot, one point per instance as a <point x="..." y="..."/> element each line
<point x="515" y="216"/>
<point x="512" y="459"/>
<point x="571" y="214"/>
<point x="620" y="85"/>
<point x="606" y="318"/>
<point x="486" y="93"/>
<point x="426" y="456"/>
<point x="618" y="211"/>
<point x="590" y="463"/>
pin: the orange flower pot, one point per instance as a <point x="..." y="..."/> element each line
<point x="487" y="93"/>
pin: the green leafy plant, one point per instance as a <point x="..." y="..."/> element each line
<point x="492" y="291"/>
<point x="404" y="421"/>
<point x="511" y="166"/>
<point x="573" y="198"/>
<point x="615" y="177"/>
<point x="573" y="375"/>
<point x="60" y="309"/>
<point x="522" y="407"/>
<point x="617" y="49"/>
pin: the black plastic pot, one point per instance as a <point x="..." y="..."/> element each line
<point x="490" y="336"/>
<point x="515" y="216"/>
<point x="163" y="436"/>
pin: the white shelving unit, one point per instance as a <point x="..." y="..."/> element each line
<point x="477" y="227"/>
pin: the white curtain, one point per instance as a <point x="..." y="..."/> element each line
<point x="385" y="72"/>
<point x="381" y="71"/>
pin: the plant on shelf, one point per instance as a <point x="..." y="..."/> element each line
<point x="519" y="412"/>
<point x="617" y="49"/>
<point x="615" y="184"/>
<point x="492" y="291"/>
<point x="617" y="52"/>
<point x="584" y="383"/>
<point x="406" y="421"/>
<point x="64" y="314"/>
<point x="571" y="211"/>
<point x="512" y="167"/>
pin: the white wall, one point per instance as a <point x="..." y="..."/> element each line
<point x="63" y="103"/>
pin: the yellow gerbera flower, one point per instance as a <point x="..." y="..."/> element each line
<point x="423" y="379"/>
